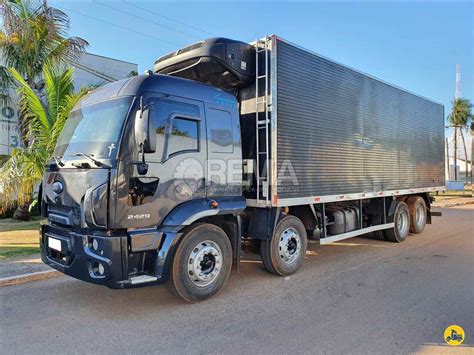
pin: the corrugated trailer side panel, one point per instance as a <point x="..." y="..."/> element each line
<point x="345" y="132"/>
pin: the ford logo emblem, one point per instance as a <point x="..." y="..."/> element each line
<point x="58" y="187"/>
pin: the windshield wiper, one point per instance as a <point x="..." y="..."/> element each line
<point x="58" y="161"/>
<point x="90" y="156"/>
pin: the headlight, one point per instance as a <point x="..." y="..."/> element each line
<point x="95" y="207"/>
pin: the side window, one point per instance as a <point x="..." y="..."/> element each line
<point x="162" y="112"/>
<point x="159" y="114"/>
<point x="219" y="125"/>
<point x="184" y="136"/>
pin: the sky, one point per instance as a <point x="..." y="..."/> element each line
<point x="414" y="45"/>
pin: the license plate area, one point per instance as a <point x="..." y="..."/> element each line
<point x="58" y="248"/>
<point x="54" y="243"/>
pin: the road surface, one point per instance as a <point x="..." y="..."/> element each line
<point x="357" y="296"/>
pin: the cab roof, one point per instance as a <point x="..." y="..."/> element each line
<point x="164" y="84"/>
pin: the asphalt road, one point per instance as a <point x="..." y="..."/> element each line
<point x="357" y="296"/>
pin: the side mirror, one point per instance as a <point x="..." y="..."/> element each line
<point x="145" y="134"/>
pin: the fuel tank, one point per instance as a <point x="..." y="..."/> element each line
<point x="343" y="219"/>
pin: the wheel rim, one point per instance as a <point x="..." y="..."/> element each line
<point x="205" y="263"/>
<point x="420" y="215"/>
<point x="402" y="222"/>
<point x="289" y="246"/>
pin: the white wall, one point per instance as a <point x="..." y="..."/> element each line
<point x="96" y="70"/>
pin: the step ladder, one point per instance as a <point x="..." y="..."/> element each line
<point x="262" y="121"/>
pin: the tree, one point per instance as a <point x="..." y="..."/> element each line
<point x="459" y="118"/>
<point x="33" y="35"/>
<point x="24" y="169"/>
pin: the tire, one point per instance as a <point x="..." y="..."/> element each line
<point x="401" y="218"/>
<point x="284" y="253"/>
<point x="377" y="220"/>
<point x="195" y="273"/>
<point x="418" y="214"/>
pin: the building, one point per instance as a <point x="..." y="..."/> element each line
<point x="90" y="70"/>
<point x="461" y="157"/>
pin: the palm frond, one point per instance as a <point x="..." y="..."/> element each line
<point x="35" y="34"/>
<point x="24" y="169"/>
<point x="30" y="103"/>
<point x="6" y="82"/>
<point x="461" y="113"/>
<point x="57" y="87"/>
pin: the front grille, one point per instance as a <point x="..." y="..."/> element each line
<point x="59" y="208"/>
<point x="65" y="215"/>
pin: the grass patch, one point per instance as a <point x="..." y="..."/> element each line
<point x="9" y="224"/>
<point x="452" y="194"/>
<point x="17" y="252"/>
<point x="18" y="238"/>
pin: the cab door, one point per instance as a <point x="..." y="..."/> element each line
<point x="176" y="171"/>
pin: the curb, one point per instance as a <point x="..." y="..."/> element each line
<point x="34" y="276"/>
<point x="454" y="204"/>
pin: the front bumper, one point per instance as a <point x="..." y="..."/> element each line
<point x="112" y="264"/>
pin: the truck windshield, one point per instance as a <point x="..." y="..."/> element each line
<point x="94" y="129"/>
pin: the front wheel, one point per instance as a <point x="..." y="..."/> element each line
<point x="284" y="253"/>
<point x="202" y="263"/>
<point x="401" y="220"/>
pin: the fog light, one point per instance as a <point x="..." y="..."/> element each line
<point x="95" y="244"/>
<point x="98" y="269"/>
<point x="101" y="269"/>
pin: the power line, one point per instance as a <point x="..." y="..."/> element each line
<point x="168" y="18"/>
<point x="145" y="19"/>
<point x="103" y="76"/>
<point x="119" y="26"/>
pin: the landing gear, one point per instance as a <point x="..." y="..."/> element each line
<point x="202" y="263"/>
<point x="284" y="253"/>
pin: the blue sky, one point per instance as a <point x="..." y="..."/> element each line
<point x="414" y="45"/>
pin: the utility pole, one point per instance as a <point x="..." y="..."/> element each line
<point x="472" y="152"/>
<point x="457" y="95"/>
<point x="447" y="159"/>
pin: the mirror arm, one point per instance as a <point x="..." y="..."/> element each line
<point x="142" y="168"/>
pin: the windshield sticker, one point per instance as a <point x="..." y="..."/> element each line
<point x="111" y="147"/>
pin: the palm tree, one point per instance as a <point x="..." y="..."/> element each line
<point x="33" y="35"/>
<point x="459" y="118"/>
<point x="24" y="169"/>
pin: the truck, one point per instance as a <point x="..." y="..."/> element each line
<point x="225" y="145"/>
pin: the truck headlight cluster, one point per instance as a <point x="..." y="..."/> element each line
<point x="96" y="207"/>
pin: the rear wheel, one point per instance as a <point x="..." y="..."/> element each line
<point x="418" y="214"/>
<point x="202" y="263"/>
<point x="401" y="219"/>
<point x="284" y="253"/>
